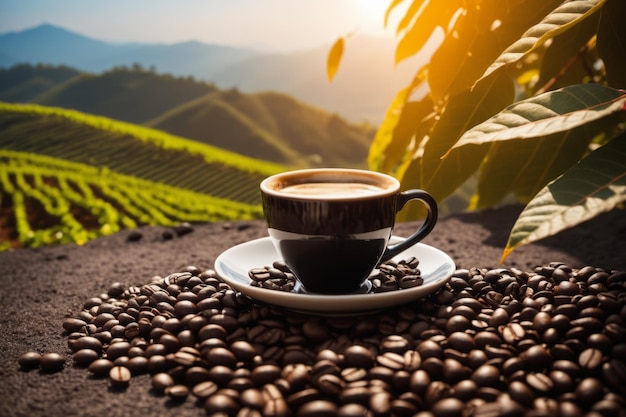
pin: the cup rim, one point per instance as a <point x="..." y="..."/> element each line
<point x="393" y="188"/>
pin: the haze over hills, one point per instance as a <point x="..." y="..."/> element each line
<point x="270" y="126"/>
<point x="362" y="90"/>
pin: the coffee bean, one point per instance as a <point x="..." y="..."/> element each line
<point x="51" y="362"/>
<point x="87" y="342"/>
<point x="221" y="356"/>
<point x="461" y="341"/>
<point x="201" y="390"/>
<point x="29" y="360"/>
<point x="539" y="382"/>
<point x="448" y="407"/>
<point x="561" y="381"/>
<point x="221" y="404"/>
<point x="501" y="341"/>
<point x="380" y="403"/>
<point x="354" y="410"/>
<point x="486" y="376"/>
<point x="589" y="390"/>
<point x="161" y="381"/>
<point x="590" y="358"/>
<point x="265" y="374"/>
<point x="85" y="357"/>
<point x="358" y="356"/>
<point x="119" y="376"/>
<point x="318" y="408"/>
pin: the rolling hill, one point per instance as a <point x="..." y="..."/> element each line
<point x="69" y="176"/>
<point x="269" y="126"/>
<point x="362" y="90"/>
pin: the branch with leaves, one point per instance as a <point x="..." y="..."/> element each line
<point x="525" y="99"/>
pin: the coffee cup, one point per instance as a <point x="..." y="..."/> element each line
<point x="332" y="226"/>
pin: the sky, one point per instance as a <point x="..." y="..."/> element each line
<point x="269" y="25"/>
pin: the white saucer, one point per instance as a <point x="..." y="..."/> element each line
<point x="233" y="266"/>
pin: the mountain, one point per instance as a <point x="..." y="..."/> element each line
<point x="50" y="44"/>
<point x="363" y="88"/>
<point x="271" y="126"/>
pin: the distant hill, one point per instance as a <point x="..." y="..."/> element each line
<point x="50" y="44"/>
<point x="269" y="126"/>
<point x="362" y="90"/>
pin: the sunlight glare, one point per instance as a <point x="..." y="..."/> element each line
<point x="372" y="12"/>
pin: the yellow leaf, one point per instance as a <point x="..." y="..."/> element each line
<point x="334" y="58"/>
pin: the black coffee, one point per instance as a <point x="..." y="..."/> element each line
<point x="332" y="189"/>
<point x="332" y="266"/>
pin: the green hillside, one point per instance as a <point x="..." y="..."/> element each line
<point x="269" y="126"/>
<point x="69" y="176"/>
<point x="134" y="96"/>
<point x="214" y="121"/>
<point x="23" y="83"/>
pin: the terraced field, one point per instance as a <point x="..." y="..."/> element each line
<point x="69" y="177"/>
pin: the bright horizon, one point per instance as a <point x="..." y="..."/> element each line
<point x="267" y="25"/>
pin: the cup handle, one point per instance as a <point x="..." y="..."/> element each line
<point x="423" y="231"/>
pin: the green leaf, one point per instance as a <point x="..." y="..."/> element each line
<point x="472" y="45"/>
<point x="409" y="15"/>
<point x="439" y="176"/>
<point x="523" y="168"/>
<point x="612" y="42"/>
<point x="549" y="113"/>
<point x="378" y="158"/>
<point x="430" y="16"/>
<point x="567" y="60"/>
<point x="560" y="20"/>
<point x="597" y="184"/>
<point x="390" y="8"/>
<point x="334" y="58"/>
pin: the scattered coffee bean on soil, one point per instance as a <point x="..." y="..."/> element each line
<point x="491" y="342"/>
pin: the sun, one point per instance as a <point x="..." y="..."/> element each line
<point x="371" y="11"/>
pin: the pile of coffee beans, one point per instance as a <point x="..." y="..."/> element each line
<point x="492" y="342"/>
<point x="388" y="276"/>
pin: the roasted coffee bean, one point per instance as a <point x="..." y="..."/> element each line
<point x="201" y="390"/>
<point x="437" y="391"/>
<point x="359" y="357"/>
<point x="265" y="374"/>
<point x="51" y="362"/>
<point x="536" y="357"/>
<point x="448" y="407"/>
<point x="119" y="376"/>
<point x="87" y="342"/>
<point x="100" y="367"/>
<point x="589" y="390"/>
<point x="590" y="358"/>
<point x="29" y="360"/>
<point x="354" y="410"/>
<point x="161" y="381"/>
<point x="85" y="357"/>
<point x="502" y="342"/>
<point x="486" y="376"/>
<point x="539" y="382"/>
<point x="318" y="408"/>
<point x="221" y="404"/>
<point x="177" y="392"/>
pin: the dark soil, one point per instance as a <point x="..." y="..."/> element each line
<point x="41" y="287"/>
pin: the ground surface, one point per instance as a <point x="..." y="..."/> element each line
<point x="42" y="287"/>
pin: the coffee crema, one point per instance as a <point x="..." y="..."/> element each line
<point x="332" y="189"/>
